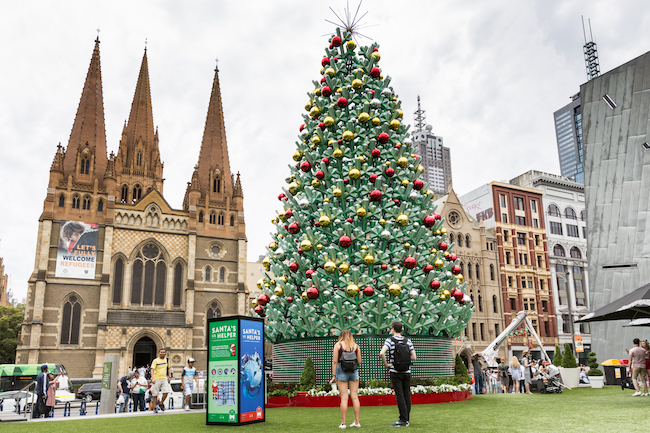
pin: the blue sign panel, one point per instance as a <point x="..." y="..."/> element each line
<point x="251" y="370"/>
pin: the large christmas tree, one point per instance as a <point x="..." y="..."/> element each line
<point x="358" y="243"/>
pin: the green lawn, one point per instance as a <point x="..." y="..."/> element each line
<point x="580" y="410"/>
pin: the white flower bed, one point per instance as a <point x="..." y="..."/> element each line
<point x="420" y="389"/>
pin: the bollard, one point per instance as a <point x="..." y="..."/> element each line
<point x="130" y="405"/>
<point x="170" y="405"/>
<point x="97" y="408"/>
<point x="82" y="408"/>
<point x="66" y="409"/>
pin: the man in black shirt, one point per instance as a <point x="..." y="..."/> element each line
<point x="479" y="383"/>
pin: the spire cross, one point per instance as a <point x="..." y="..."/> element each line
<point x="217" y="63"/>
<point x="98" y="30"/>
<point x="145" y="44"/>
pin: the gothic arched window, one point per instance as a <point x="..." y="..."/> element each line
<point x="460" y="240"/>
<point x="137" y="193"/>
<point x="85" y="165"/>
<point x="213" y="218"/>
<point x="201" y="216"/>
<point x="216" y="185"/>
<point x="220" y="220"/>
<point x="232" y="221"/>
<point x="100" y="205"/>
<point x="118" y="281"/>
<point x="138" y="159"/>
<point x="125" y="193"/>
<point x="213" y="312"/>
<point x="492" y="272"/>
<point x="149" y="275"/>
<point x="478" y="277"/>
<point x="61" y="200"/>
<point x="76" y="201"/>
<point x="467" y="241"/>
<point x="86" y="203"/>
<point x="570" y="213"/>
<point x="178" y="284"/>
<point x="208" y="270"/>
<point x="71" y="320"/>
<point x="222" y="275"/>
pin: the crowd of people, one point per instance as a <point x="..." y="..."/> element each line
<point x="517" y="376"/>
<point x="640" y="366"/>
<point x="46" y="384"/>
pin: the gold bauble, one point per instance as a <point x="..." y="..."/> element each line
<point x="382" y="221"/>
<point x="376" y="121"/>
<point x="319" y="247"/>
<point x="316" y="91"/>
<point x="400" y="113"/>
<point x="315" y="139"/>
<point x="306" y="245"/>
<point x="304" y="296"/>
<point x="266" y="263"/>
<point x="438" y="263"/>
<point x="324" y="221"/>
<point x="284" y="278"/>
<point x="395" y="267"/>
<point x="326" y="200"/>
<point x="328" y="121"/>
<point x="279" y="291"/>
<point x="351" y="45"/>
<point x="364" y="117"/>
<point x="402" y="161"/>
<point x="315" y="183"/>
<point x="337" y="192"/>
<point x="375" y="55"/>
<point x="254" y="303"/>
<point x="387" y="163"/>
<point x="274" y="220"/>
<point x="402" y="219"/>
<point x="394" y="124"/>
<point x="337" y="153"/>
<point x="354" y="174"/>
<point x="361" y="212"/>
<point x="369" y="259"/>
<point x="447" y="293"/>
<point x="404" y="182"/>
<point x="420" y="168"/>
<point x="394" y="289"/>
<point x="312" y="147"/>
<point x="296" y="155"/>
<point x="339" y="90"/>
<point x="273" y="246"/>
<point x="330" y="143"/>
<point x="348" y="136"/>
<point x="329" y="266"/>
<point x="362" y="159"/>
<point x="357" y="83"/>
<point x="443" y="230"/>
<point x="281" y="236"/>
<point x="273" y="282"/>
<point x="308" y="105"/>
<point x="293" y="187"/>
<point x="260" y="283"/>
<point x="445" y="254"/>
<point x="344" y="268"/>
<point x="330" y="72"/>
<point x="460" y="278"/>
<point x="407" y="245"/>
<point x="433" y="250"/>
<point x="352" y="290"/>
<point x="437" y="232"/>
<point x="314" y="112"/>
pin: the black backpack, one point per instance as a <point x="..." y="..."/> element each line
<point x="349" y="361"/>
<point x="401" y="355"/>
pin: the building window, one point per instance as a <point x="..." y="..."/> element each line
<point x="539" y="261"/>
<point x="71" y="320"/>
<point x="502" y="198"/>
<point x="149" y="275"/>
<point x="513" y="304"/>
<point x="214" y="310"/>
<point x="570" y="213"/>
<point x="496" y="329"/>
<point x="504" y="218"/>
<point x="536" y="240"/>
<point x="546" y="328"/>
<point x="521" y="238"/>
<point x="575" y="253"/>
<point x="100" y="205"/>
<point x="469" y="271"/>
<point x="509" y="281"/>
<point x="572" y="231"/>
<point x="213" y="218"/>
<point x="220" y="219"/>
<point x="541" y="284"/>
<point x="462" y="268"/>
<point x="533" y="206"/>
<point x="61" y="200"/>
<point x="125" y="193"/>
<point x="118" y="281"/>
<point x="201" y="216"/>
<point x="566" y="324"/>
<point x="583" y="215"/>
<point x="222" y="275"/>
<point x="519" y="220"/>
<point x="138" y="159"/>
<point x="519" y="203"/>
<point x="556" y="228"/>
<point x="535" y="223"/>
<point x="232" y="221"/>
<point x="478" y="277"/>
<point x="544" y="305"/>
<point x="451" y="238"/>
<point x="584" y="232"/>
<point x="506" y="236"/>
<point x="492" y="272"/>
<point x="178" y="284"/>
<point x="558" y="251"/>
<point x="467" y="241"/>
<point x="86" y="203"/>
<point x="474" y="331"/>
<point x="460" y="239"/>
<point x="584" y="328"/>
<point x="507" y="257"/>
<point x="85" y="165"/>
<point x="75" y="202"/>
<point x="495" y="309"/>
<point x="482" y="334"/>
<point x="137" y="193"/>
<point x="553" y="210"/>
<point x="208" y="270"/>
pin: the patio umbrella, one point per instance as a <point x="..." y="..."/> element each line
<point x="639" y="322"/>
<point x="632" y="306"/>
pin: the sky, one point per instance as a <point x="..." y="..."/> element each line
<point x="489" y="75"/>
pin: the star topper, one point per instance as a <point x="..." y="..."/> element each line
<point x="350" y="23"/>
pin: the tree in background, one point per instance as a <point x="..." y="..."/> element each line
<point x="10" y="320"/>
<point x="557" y="358"/>
<point x="358" y="243"/>
<point x="568" y="360"/>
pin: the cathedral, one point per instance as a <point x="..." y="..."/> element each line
<point x="118" y="271"/>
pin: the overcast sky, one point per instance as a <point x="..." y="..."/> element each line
<point x="489" y="73"/>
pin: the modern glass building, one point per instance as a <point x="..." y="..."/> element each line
<point x="568" y="131"/>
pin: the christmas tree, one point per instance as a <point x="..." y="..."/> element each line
<point x="358" y="243"/>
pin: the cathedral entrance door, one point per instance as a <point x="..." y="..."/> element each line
<point x="144" y="352"/>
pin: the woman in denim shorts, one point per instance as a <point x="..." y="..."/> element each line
<point x="346" y="380"/>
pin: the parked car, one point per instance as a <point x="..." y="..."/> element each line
<point x="90" y="392"/>
<point x="8" y="401"/>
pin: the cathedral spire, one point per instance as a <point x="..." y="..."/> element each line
<point x="214" y="165"/>
<point x="140" y="124"/>
<point x="89" y="125"/>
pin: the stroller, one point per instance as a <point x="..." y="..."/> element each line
<point x="551" y="382"/>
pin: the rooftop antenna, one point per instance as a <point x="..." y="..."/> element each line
<point x="591" y="52"/>
<point x="420" y="117"/>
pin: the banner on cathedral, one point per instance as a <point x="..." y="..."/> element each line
<point x="76" y="255"/>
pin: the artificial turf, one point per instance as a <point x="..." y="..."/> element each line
<point x="579" y="410"/>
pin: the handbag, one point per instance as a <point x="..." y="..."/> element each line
<point x="120" y="399"/>
<point x="142" y="391"/>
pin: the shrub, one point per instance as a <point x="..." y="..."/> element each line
<point x="593" y="365"/>
<point x="377" y="383"/>
<point x="447" y="380"/>
<point x="461" y="371"/>
<point x="568" y="360"/>
<point x="422" y="381"/>
<point x="557" y="358"/>
<point x="308" y="377"/>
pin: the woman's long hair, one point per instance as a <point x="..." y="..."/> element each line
<point x="346" y="338"/>
<point x="514" y="362"/>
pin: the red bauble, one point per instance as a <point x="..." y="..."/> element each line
<point x="428" y="268"/>
<point x="263" y="299"/>
<point x="452" y="257"/>
<point x="349" y="220"/>
<point x="302" y="126"/>
<point x="312" y="293"/>
<point x="396" y="201"/>
<point x="345" y="241"/>
<point x="375" y="153"/>
<point x="294" y="228"/>
<point x="375" y="49"/>
<point x="323" y="80"/>
<point x="383" y="138"/>
<point x="435" y="284"/>
<point x="336" y="41"/>
<point x="316" y="224"/>
<point x="326" y="161"/>
<point x="458" y="295"/>
<point x="281" y="196"/>
<point x="286" y="227"/>
<point x="326" y="91"/>
<point x="288" y="213"/>
<point x="299" y="249"/>
<point x="410" y="262"/>
<point x="346" y="180"/>
<point x="259" y="311"/>
<point x="319" y="175"/>
<point x="375" y="72"/>
<point x="442" y="246"/>
<point x="456" y="270"/>
<point x="390" y="172"/>
<point x="397" y="146"/>
<point x="325" y="62"/>
<point x="305" y="166"/>
<point x="372" y="178"/>
<point x="375" y="194"/>
<point x="289" y="299"/>
<point x="321" y="126"/>
<point x="418" y="184"/>
<point x="384" y="267"/>
<point x="309" y="273"/>
<point x="368" y="291"/>
<point x="429" y="221"/>
<point x="293" y="266"/>
<point x="437" y="216"/>
<point x="342" y="102"/>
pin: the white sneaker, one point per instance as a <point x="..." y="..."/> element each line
<point x="342" y="426"/>
<point x="636" y="394"/>
<point x="187" y="407"/>
<point x="645" y="395"/>
<point x="354" y="424"/>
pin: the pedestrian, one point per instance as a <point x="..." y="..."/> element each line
<point x="346" y="358"/>
<point x="637" y="364"/>
<point x="479" y="382"/>
<point x="494" y="380"/>
<point x="646" y="346"/>
<point x="143" y="372"/>
<point x="50" y="402"/>
<point x="515" y="372"/>
<point x="160" y="380"/>
<point x="503" y="375"/>
<point x="125" y="391"/>
<point x="189" y="380"/>
<point x="528" y="372"/>
<point x="401" y="353"/>
<point x="40" y="408"/>
<point x="138" y="388"/>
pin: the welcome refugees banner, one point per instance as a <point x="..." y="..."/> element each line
<point x="76" y="256"/>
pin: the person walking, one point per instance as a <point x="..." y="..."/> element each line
<point x="346" y="358"/>
<point x="189" y="380"/>
<point x="50" y="401"/>
<point x="479" y="380"/>
<point x="503" y="375"/>
<point x="646" y="346"/>
<point x="40" y="408"/>
<point x="515" y="372"/>
<point x="160" y="380"/>
<point x="528" y="371"/>
<point x="138" y="388"/>
<point x="402" y="353"/>
<point x="637" y="364"/>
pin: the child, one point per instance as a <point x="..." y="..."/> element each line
<point x="189" y="380"/>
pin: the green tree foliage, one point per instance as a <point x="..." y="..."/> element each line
<point x="308" y="377"/>
<point x="10" y="320"/>
<point x="593" y="365"/>
<point x="568" y="360"/>
<point x="460" y="370"/>
<point x="557" y="358"/>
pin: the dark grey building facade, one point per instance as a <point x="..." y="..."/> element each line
<point x="568" y="132"/>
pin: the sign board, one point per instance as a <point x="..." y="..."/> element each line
<point x="106" y="375"/>
<point x="578" y="341"/>
<point x="76" y="255"/>
<point x="235" y="376"/>
<point x="480" y="205"/>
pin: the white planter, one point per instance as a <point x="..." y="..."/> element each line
<point x="570" y="376"/>
<point x="596" y="381"/>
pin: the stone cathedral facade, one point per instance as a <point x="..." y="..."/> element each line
<point x="117" y="270"/>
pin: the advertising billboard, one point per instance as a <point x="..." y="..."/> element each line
<point x="76" y="256"/>
<point x="251" y="371"/>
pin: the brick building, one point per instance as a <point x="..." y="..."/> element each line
<point x="118" y="271"/>
<point x="4" y="285"/>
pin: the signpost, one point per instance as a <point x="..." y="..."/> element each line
<point x="235" y="377"/>
<point x="109" y="383"/>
